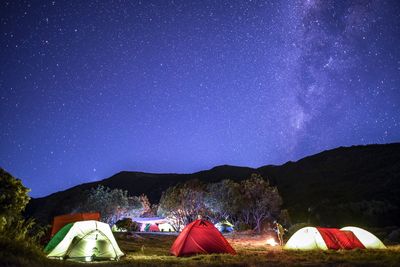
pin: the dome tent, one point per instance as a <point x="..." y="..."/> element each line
<point x="151" y="228"/>
<point x="224" y="226"/>
<point x="309" y="238"/>
<point x="306" y="238"/>
<point x="369" y="240"/>
<point x="85" y="240"/>
<point x="200" y="237"/>
<point x="166" y="227"/>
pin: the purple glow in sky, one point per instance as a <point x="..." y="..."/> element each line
<point x="90" y="88"/>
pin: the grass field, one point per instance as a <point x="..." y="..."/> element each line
<point x="153" y="250"/>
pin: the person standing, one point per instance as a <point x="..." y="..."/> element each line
<point x="280" y="231"/>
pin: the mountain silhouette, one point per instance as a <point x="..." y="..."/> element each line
<point x="357" y="185"/>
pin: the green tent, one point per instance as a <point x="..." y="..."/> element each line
<point x="84" y="240"/>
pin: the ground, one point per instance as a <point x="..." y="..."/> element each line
<point x="153" y="250"/>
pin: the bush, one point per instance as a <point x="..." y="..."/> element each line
<point x="18" y="236"/>
<point x="241" y="226"/>
<point x="20" y="253"/>
<point x="394" y="237"/>
<point x="127" y="224"/>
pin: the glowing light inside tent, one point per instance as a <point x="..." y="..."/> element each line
<point x="306" y="238"/>
<point x="96" y="239"/>
<point x="271" y="242"/>
<point x="369" y="240"/>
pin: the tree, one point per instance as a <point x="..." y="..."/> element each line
<point x="133" y="209"/>
<point x="111" y="203"/>
<point x="183" y="203"/>
<point x="13" y="195"/>
<point x="146" y="205"/>
<point x="248" y="203"/>
<point x="260" y="201"/>
<point x="13" y="198"/>
<point x="224" y="200"/>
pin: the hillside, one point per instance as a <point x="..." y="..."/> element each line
<point x="346" y="185"/>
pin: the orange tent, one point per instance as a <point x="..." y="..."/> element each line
<point x="62" y="220"/>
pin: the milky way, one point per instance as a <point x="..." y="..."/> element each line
<point x="91" y="88"/>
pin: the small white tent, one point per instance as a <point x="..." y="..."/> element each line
<point x="166" y="227"/>
<point x="84" y="240"/>
<point x="369" y="240"/>
<point x="306" y="238"/>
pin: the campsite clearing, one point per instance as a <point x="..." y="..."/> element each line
<point x="153" y="250"/>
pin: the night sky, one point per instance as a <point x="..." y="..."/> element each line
<point x="91" y="88"/>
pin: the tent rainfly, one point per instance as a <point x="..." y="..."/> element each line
<point x="84" y="240"/>
<point x="200" y="237"/>
<point x="309" y="238"/>
<point x="61" y="220"/>
<point x="369" y="240"/>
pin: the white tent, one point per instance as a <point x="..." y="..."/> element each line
<point x="306" y="238"/>
<point x="84" y="240"/>
<point x="166" y="227"/>
<point x="369" y="240"/>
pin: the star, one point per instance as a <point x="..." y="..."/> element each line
<point x="161" y="86"/>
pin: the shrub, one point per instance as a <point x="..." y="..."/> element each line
<point x="20" y="253"/>
<point x="127" y="224"/>
<point x="394" y="237"/>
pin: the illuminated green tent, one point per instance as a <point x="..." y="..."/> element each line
<point x="84" y="240"/>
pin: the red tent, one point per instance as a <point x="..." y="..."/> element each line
<point x="154" y="228"/>
<point x="60" y="221"/>
<point x="339" y="239"/>
<point x="200" y="237"/>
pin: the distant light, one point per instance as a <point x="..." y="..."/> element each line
<point x="88" y="258"/>
<point x="271" y="241"/>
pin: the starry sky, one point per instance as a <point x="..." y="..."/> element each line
<point x="91" y="88"/>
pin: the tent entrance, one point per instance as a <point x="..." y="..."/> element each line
<point x="93" y="246"/>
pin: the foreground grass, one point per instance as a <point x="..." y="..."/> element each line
<point x="153" y="250"/>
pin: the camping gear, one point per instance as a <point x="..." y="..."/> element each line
<point x="61" y="220"/>
<point x="84" y="240"/>
<point x="200" y="237"/>
<point x="224" y="226"/>
<point x="309" y="238"/>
